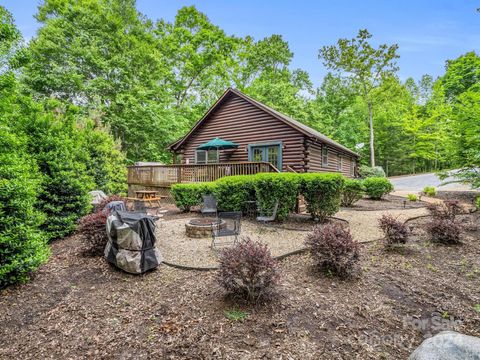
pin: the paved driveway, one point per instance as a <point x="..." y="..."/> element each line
<point x="418" y="182"/>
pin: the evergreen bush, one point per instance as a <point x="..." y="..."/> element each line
<point x="322" y="193"/>
<point x="352" y="191"/>
<point x="376" y="187"/>
<point x="189" y="195"/>
<point x="23" y="247"/>
<point x="233" y="192"/>
<point x="273" y="187"/>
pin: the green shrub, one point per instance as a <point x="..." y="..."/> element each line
<point x="477" y="202"/>
<point x="376" y="187"/>
<point x="412" y="197"/>
<point x="273" y="187"/>
<point x="233" y="192"/>
<point x="352" y="191"/>
<point x="189" y="195"/>
<point x="104" y="161"/>
<point x="429" y="191"/>
<point x="322" y="193"/>
<point x="367" y="171"/>
<point x="23" y="247"/>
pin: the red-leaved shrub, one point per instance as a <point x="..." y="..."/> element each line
<point x="447" y="209"/>
<point x="395" y="232"/>
<point x="334" y="250"/>
<point x="92" y="229"/>
<point x="444" y="231"/>
<point x="248" y="270"/>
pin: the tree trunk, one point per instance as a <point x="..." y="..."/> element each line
<point x="372" y="147"/>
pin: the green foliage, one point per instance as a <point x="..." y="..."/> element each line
<point x="367" y="171"/>
<point x="322" y="193"/>
<point x="376" y="187"/>
<point x="104" y="161"/>
<point x="187" y="196"/>
<point x="412" y="197"/>
<point x="430" y="190"/>
<point x="23" y="246"/>
<point x="233" y="192"/>
<point x="353" y="191"/>
<point x="273" y="187"/>
<point x="235" y="315"/>
<point x="365" y="65"/>
<point x="477" y="202"/>
<point x="64" y="197"/>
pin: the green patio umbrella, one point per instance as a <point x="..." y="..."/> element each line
<point x="217" y="144"/>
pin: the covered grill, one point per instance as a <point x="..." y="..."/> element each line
<point x="131" y="242"/>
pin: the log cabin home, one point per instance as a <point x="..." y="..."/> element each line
<point x="263" y="135"/>
<point x="264" y="141"/>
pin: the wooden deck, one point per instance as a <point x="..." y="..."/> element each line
<point x="167" y="175"/>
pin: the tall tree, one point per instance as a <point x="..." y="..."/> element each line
<point x="365" y="64"/>
<point x="102" y="56"/>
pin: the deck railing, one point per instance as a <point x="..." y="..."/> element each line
<point x="166" y="175"/>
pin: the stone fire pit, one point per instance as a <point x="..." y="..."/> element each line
<point x="202" y="227"/>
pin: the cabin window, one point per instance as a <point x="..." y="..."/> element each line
<point x="339" y="164"/>
<point x="206" y="157"/>
<point x="352" y="167"/>
<point x="324" y="156"/>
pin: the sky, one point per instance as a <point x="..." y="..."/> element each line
<point x="428" y="32"/>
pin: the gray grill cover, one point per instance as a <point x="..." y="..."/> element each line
<point x="131" y="242"/>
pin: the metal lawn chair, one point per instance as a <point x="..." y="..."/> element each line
<point x="266" y="218"/>
<point x="209" y="206"/>
<point x="228" y="224"/>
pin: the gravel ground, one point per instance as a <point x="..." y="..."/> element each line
<point x="179" y="249"/>
<point x="363" y="225"/>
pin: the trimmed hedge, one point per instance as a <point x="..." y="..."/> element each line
<point x="189" y="195"/>
<point x="233" y="192"/>
<point x="322" y="193"/>
<point x="352" y="191"/>
<point x="376" y="187"/>
<point x="281" y="187"/>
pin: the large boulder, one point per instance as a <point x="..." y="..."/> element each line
<point x="448" y="345"/>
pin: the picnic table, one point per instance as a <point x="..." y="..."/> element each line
<point x="150" y="197"/>
<point x="146" y="194"/>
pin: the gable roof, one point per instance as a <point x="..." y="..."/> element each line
<point x="302" y="128"/>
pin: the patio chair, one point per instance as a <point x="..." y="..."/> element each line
<point x="266" y="218"/>
<point x="228" y="224"/>
<point x="209" y="206"/>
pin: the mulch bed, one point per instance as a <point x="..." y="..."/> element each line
<point x="80" y="307"/>
<point x="467" y="197"/>
<point x="388" y="202"/>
